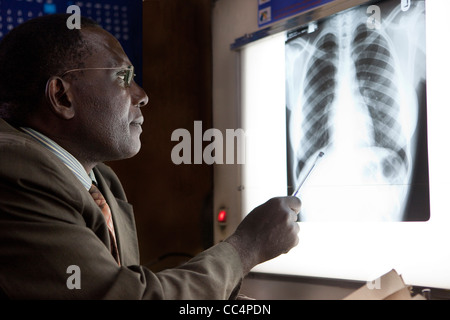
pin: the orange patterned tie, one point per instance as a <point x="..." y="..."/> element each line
<point x="101" y="202"/>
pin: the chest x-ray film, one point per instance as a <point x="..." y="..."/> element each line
<point x="356" y="90"/>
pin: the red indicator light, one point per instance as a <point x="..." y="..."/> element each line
<point x="222" y="217"/>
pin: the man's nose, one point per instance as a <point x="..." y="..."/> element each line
<point x="140" y="98"/>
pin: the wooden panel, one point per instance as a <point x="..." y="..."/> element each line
<point x="172" y="203"/>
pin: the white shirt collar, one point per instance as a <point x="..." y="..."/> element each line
<point x="69" y="160"/>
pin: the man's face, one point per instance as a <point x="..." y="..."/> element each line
<point x="107" y="111"/>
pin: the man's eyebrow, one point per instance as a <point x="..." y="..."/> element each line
<point x="118" y="64"/>
<point x="113" y="63"/>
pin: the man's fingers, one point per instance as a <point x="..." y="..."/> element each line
<point x="295" y="204"/>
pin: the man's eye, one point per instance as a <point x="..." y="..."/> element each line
<point x="126" y="76"/>
<point x="122" y="75"/>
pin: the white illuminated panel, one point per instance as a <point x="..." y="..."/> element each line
<point x="264" y="117"/>
<point x="350" y="250"/>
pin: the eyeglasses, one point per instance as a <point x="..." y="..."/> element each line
<point x="126" y="74"/>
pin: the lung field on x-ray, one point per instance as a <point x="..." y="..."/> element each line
<point x="376" y="78"/>
<point x="319" y="94"/>
<point x="347" y="96"/>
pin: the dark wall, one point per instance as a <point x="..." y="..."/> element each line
<point x="172" y="203"/>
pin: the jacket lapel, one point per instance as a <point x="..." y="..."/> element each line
<point x="124" y="224"/>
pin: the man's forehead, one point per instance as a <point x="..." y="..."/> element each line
<point x="105" y="48"/>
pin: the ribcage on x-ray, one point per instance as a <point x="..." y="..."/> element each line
<point x="376" y="79"/>
<point x="372" y="72"/>
<point x="319" y="93"/>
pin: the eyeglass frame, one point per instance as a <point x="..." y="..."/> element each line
<point x="129" y="76"/>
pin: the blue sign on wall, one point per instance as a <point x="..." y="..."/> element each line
<point x="122" y="18"/>
<point x="270" y="11"/>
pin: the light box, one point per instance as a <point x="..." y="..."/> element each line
<point x="374" y="100"/>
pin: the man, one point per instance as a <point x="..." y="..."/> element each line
<point x="68" y="103"/>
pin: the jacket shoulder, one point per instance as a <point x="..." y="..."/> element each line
<point x="33" y="179"/>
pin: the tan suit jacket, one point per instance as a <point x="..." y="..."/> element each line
<point x="49" y="222"/>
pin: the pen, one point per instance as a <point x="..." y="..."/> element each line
<point x="319" y="156"/>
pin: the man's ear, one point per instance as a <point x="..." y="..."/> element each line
<point x="59" y="97"/>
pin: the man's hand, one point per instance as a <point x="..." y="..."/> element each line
<point x="266" y="232"/>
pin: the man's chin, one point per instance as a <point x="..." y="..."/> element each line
<point x="134" y="151"/>
<point x="128" y="151"/>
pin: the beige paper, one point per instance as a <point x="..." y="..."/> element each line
<point x="388" y="287"/>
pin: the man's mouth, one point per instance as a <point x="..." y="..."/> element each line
<point x="137" y="122"/>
